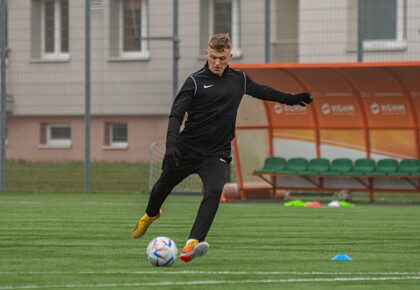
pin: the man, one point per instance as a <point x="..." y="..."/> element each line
<point x="210" y="97"/>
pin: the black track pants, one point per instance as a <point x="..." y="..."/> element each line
<point x="213" y="173"/>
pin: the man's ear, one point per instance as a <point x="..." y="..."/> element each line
<point x="206" y="53"/>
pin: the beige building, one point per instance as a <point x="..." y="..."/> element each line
<point x="132" y="70"/>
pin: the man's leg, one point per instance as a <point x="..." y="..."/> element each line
<point x="213" y="173"/>
<point x="162" y="188"/>
<point x="160" y="191"/>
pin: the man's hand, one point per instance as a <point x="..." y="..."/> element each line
<point x="171" y="155"/>
<point x="301" y="99"/>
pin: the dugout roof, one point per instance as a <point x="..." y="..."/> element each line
<point x="371" y="108"/>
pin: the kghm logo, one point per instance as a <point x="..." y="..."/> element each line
<point x="293" y="110"/>
<point x="338" y="109"/>
<point x="374" y="108"/>
<point x="326" y="109"/>
<point x="389" y="109"/>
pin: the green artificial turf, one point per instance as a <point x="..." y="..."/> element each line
<point x="83" y="241"/>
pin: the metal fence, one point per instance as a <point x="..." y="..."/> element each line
<point x="86" y="86"/>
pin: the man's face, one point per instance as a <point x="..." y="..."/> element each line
<point x="218" y="60"/>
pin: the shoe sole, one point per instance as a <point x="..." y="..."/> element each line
<point x="199" y="250"/>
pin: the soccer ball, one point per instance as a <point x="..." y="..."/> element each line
<point x="161" y="251"/>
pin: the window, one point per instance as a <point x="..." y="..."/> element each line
<point x="384" y="22"/>
<point x="128" y="28"/>
<point x="55" y="135"/>
<point x="221" y="16"/>
<point x="50" y="29"/>
<point x="116" y="136"/>
<point x="221" y="22"/>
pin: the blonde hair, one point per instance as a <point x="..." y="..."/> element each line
<point x="220" y="42"/>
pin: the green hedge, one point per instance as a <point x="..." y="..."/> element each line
<point x="24" y="176"/>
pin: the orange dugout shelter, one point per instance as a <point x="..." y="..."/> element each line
<point x="359" y="110"/>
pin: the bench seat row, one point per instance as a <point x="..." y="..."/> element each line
<point x="341" y="166"/>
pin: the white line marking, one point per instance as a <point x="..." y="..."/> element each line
<point x="260" y="273"/>
<point x="97" y="203"/>
<point x="172" y="272"/>
<point x="210" y="282"/>
<point x="21" y="202"/>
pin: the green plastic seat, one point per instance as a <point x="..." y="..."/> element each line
<point x="312" y="168"/>
<point x="409" y="166"/>
<point x="294" y="165"/>
<point x="272" y="165"/>
<point x="320" y="165"/>
<point x="388" y="166"/>
<point x="366" y="166"/>
<point x="342" y="165"/>
<point x="324" y="167"/>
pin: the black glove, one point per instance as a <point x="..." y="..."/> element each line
<point x="172" y="154"/>
<point x="301" y="99"/>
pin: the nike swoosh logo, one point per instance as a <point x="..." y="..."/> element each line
<point x="223" y="160"/>
<point x="208" y="86"/>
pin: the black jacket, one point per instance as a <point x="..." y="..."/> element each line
<point x="212" y="102"/>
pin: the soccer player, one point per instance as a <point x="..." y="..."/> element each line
<point x="210" y="97"/>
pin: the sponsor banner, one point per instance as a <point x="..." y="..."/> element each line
<point x="338" y="109"/>
<point x="289" y="110"/>
<point x="282" y="115"/>
<point x="388" y="112"/>
<point x="388" y="109"/>
<point x="339" y="112"/>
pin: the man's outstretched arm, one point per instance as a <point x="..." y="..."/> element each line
<point x="267" y="93"/>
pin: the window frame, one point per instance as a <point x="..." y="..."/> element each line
<point x="56" y="143"/>
<point x="110" y="143"/>
<point x="235" y="28"/>
<point x="399" y="43"/>
<point x="144" y="52"/>
<point x="58" y="54"/>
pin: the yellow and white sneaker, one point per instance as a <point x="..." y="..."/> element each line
<point x="193" y="248"/>
<point x="143" y="224"/>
